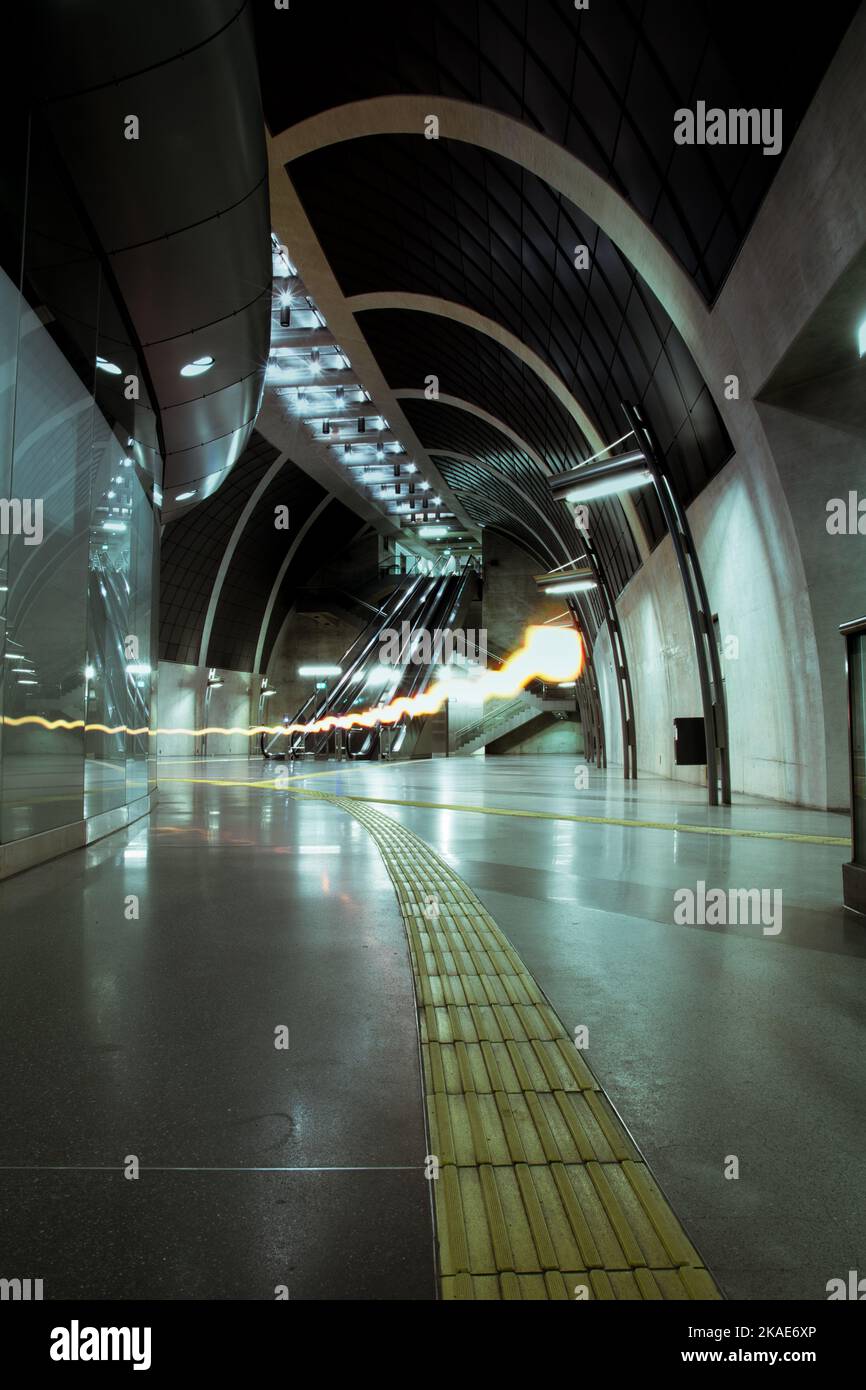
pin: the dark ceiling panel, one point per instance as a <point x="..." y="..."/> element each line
<point x="409" y="346"/>
<point x="331" y="533"/>
<point x="255" y="565"/>
<point x="192" y="548"/>
<point x="601" y="329"/>
<point x="604" y="82"/>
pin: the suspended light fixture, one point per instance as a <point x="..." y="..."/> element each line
<point x="607" y="479"/>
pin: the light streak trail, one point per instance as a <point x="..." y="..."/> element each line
<point x="549" y="654"/>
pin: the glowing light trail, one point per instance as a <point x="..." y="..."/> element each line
<point x="548" y="654"/>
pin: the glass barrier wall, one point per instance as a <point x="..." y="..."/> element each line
<point x="78" y="534"/>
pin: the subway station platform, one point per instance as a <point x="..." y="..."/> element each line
<point x="429" y="939"/>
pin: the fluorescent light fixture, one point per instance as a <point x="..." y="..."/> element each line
<point x="90" y="673"/>
<point x="570" y="586"/>
<point x="320" y="670"/>
<point x="379" y="675"/>
<point x="610" y="487"/>
<point x="114" y="525"/>
<point x="605" y="479"/>
<point x="861" y="338"/>
<point x="266" y="694"/>
<point x="432" y="532"/>
<point x="198" y="367"/>
<point x="110" y="367"/>
<point x="28" y="682"/>
<point x="184" y="496"/>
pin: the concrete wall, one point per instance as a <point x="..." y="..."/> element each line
<point x="779" y="583"/>
<point x="305" y="639"/>
<point x="752" y="591"/>
<point x="541" y="735"/>
<point x="181" y="705"/>
<point x="814" y="457"/>
<point x="463" y="709"/>
<point x="511" y="600"/>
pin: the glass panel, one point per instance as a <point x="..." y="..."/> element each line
<point x="45" y="628"/>
<point x="110" y="640"/>
<point x="79" y="540"/>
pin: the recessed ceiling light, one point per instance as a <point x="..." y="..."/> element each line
<point x="110" y="367"/>
<point x="198" y="367"/>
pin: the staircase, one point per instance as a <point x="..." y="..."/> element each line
<point x="501" y="716"/>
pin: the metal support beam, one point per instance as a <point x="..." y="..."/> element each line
<point x="620" y="662"/>
<point x="698" y="606"/>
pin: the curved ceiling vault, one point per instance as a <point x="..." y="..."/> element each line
<point x="457" y="258"/>
<point x="460" y="258"/>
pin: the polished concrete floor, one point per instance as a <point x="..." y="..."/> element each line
<point x="155" y="1038"/>
<point x="259" y="908"/>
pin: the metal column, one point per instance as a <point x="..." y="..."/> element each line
<point x="620" y="663"/>
<point x="698" y="605"/>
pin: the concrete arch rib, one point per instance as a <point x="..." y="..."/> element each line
<point x="460" y="313"/>
<point x="411" y="394"/>
<point x="239" y="528"/>
<point x="470" y="318"/>
<point x="712" y="348"/>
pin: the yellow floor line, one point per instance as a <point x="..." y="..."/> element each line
<point x="725" y="830"/>
<point x="728" y="831"/>
<point x="219" y="782"/>
<point x="541" y="1193"/>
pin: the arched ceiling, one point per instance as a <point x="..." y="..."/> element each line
<point x="604" y="82"/>
<point x="399" y="216"/>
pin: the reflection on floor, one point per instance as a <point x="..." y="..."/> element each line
<point x="258" y="907"/>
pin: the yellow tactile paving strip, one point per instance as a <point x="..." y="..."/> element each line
<point x="541" y="1193"/>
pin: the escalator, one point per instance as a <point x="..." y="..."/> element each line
<point x="425" y="604"/>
